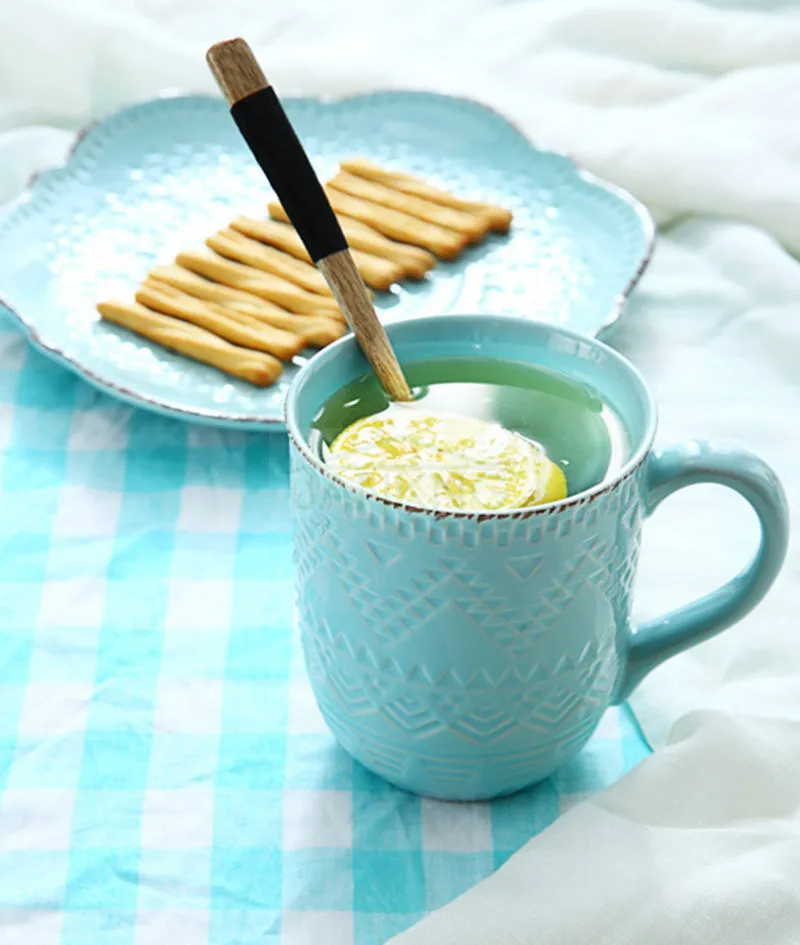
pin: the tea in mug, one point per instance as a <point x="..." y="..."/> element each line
<point x="480" y="434"/>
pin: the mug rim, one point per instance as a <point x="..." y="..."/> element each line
<point x="548" y="508"/>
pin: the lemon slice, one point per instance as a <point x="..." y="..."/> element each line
<point x="445" y="462"/>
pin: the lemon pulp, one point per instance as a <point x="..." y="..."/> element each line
<point x="445" y="462"/>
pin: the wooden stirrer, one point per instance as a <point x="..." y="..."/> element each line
<point x="268" y="132"/>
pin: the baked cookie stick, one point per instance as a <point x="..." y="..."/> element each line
<point x="262" y="337"/>
<point x="240" y="248"/>
<point x="197" y="343"/>
<point x="376" y="272"/>
<point x="470" y="225"/>
<point x="414" y="260"/>
<point x="201" y="288"/>
<point x="447" y="244"/>
<point x="499" y="218"/>
<point x="315" y="331"/>
<point x="263" y="284"/>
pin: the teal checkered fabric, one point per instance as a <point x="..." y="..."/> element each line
<point x="165" y="775"/>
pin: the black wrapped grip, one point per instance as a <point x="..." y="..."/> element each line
<point x="272" y="139"/>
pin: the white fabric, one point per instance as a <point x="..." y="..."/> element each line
<point x="670" y="854"/>
<point x="694" y="108"/>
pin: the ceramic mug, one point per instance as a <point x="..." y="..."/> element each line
<point x="468" y="655"/>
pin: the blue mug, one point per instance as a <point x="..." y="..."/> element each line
<point x="463" y="655"/>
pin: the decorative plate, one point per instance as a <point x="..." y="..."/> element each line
<point x="159" y="177"/>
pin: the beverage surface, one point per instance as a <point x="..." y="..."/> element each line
<point x="482" y="433"/>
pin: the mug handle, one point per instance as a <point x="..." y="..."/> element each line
<point x="686" y="465"/>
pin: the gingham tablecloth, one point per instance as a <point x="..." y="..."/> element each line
<point x="165" y="776"/>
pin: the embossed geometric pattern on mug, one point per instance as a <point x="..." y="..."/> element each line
<point x="422" y="702"/>
<point x="368" y="669"/>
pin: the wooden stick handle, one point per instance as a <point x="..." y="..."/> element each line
<point x="236" y="70"/>
<point x="267" y="130"/>
<point x="347" y="285"/>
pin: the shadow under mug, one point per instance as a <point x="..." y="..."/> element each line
<point x="468" y="655"/>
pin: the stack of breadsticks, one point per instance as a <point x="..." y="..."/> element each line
<point x="253" y="298"/>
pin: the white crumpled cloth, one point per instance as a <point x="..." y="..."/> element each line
<point x="694" y="107"/>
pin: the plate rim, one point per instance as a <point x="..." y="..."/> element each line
<point x="277" y="424"/>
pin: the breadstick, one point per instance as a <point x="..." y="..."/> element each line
<point x="316" y="331"/>
<point x="200" y="288"/>
<point x="472" y="227"/>
<point x="240" y="248"/>
<point x="197" y="343"/>
<point x="283" y="344"/>
<point x="262" y="284"/>
<point x="232" y="300"/>
<point x="498" y="217"/>
<point x="414" y="260"/>
<point x="447" y="244"/>
<point x="376" y="272"/>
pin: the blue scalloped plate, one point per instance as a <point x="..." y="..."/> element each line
<point x="159" y="177"/>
